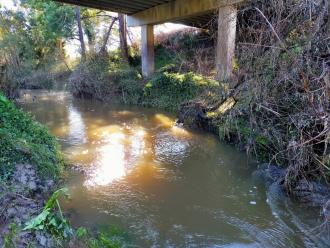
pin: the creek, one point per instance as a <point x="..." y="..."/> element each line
<point x="165" y="185"/>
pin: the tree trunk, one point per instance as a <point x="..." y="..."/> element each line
<point x="107" y="36"/>
<point x="81" y="34"/>
<point x="61" y="51"/>
<point x="123" y="36"/>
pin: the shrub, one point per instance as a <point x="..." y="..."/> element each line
<point x="107" y="80"/>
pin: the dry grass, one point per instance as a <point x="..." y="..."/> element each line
<point x="285" y="45"/>
<point x="282" y="79"/>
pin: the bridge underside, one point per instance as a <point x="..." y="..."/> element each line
<point x="196" y="13"/>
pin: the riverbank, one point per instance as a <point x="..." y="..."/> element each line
<point x="120" y="83"/>
<point x="31" y="168"/>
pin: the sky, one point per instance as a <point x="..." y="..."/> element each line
<point x="73" y="46"/>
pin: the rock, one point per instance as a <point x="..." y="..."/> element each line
<point x="22" y="179"/>
<point x="24" y="197"/>
<point x="269" y="174"/>
<point x="276" y="192"/>
<point x="32" y="185"/>
<point x="312" y="193"/>
<point x="28" y="166"/>
<point x="45" y="240"/>
<point x="50" y="183"/>
<point x="42" y="240"/>
<point x="11" y="212"/>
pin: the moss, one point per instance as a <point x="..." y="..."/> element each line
<point x="23" y="140"/>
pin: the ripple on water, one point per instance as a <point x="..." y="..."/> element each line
<point x="165" y="185"/>
<point x="171" y="150"/>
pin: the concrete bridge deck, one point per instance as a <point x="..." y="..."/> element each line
<point x="147" y="13"/>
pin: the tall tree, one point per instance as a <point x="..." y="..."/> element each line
<point x="107" y="35"/>
<point x="49" y="24"/>
<point x="123" y="36"/>
<point x="90" y="20"/>
<point x="80" y="34"/>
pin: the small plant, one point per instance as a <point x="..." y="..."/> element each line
<point x="112" y="237"/>
<point x="81" y="233"/>
<point x="51" y="219"/>
<point x="9" y="238"/>
<point x="109" y="237"/>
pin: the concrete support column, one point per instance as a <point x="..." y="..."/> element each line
<point x="226" y="42"/>
<point x="147" y="51"/>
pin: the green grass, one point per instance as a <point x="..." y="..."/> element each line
<point x="169" y="90"/>
<point x="106" y="237"/>
<point x="23" y="140"/>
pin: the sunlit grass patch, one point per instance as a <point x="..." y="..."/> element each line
<point x="169" y="90"/>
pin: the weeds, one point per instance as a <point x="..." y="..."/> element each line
<point x="52" y="221"/>
<point x="10" y="237"/>
<point x="111" y="237"/>
<point x="107" y="80"/>
<point x="23" y="140"/>
<point x="51" y="218"/>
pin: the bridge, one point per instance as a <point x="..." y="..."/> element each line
<point x="196" y="13"/>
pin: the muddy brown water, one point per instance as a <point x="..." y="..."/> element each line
<point x="165" y="185"/>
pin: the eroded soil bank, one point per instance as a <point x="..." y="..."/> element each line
<point x="22" y="197"/>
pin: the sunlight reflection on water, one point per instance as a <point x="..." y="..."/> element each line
<point x="166" y="185"/>
<point x="114" y="155"/>
<point x="110" y="161"/>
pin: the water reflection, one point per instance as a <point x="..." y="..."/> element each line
<point x="110" y="161"/>
<point x="77" y="129"/>
<point x="166" y="185"/>
<point x="119" y="149"/>
<point x="163" y="120"/>
<point x="138" y="143"/>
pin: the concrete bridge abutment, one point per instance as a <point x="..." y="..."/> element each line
<point x="147" y="50"/>
<point x="180" y="9"/>
<point x="225" y="48"/>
